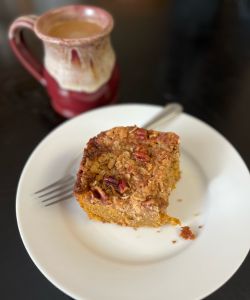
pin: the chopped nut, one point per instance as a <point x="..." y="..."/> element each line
<point x="126" y="154"/>
<point x="142" y="155"/>
<point x="149" y="167"/>
<point x="95" y="167"/>
<point x="122" y="186"/>
<point x="111" y="163"/>
<point x="153" y="135"/>
<point x="111" y="181"/>
<point x="186" y="233"/>
<point x="102" y="158"/>
<point x="141" y="133"/>
<point x="127" y="176"/>
<point x="99" y="193"/>
<point x="119" y="185"/>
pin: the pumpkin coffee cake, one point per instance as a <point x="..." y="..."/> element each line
<point x="126" y="176"/>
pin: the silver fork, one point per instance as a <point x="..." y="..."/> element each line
<point x="62" y="189"/>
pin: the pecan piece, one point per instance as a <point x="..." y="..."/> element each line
<point x="122" y="186"/>
<point x="119" y="185"/>
<point x="141" y="133"/>
<point x="99" y="193"/>
<point x="109" y="180"/>
<point x="142" y="155"/>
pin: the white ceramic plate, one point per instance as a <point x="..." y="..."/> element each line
<point x="91" y="260"/>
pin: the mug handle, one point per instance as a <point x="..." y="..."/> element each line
<point x="20" y="49"/>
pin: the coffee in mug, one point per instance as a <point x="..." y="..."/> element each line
<point x="79" y="69"/>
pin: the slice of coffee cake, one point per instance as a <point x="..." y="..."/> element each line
<point x="126" y="176"/>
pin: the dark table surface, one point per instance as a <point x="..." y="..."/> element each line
<point x="191" y="51"/>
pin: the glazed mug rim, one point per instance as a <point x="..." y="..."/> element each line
<point x="63" y="10"/>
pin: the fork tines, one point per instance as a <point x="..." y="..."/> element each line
<point x="57" y="191"/>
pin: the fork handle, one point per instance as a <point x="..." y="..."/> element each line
<point x="169" y="112"/>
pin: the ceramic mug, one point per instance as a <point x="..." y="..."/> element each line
<point x="78" y="73"/>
